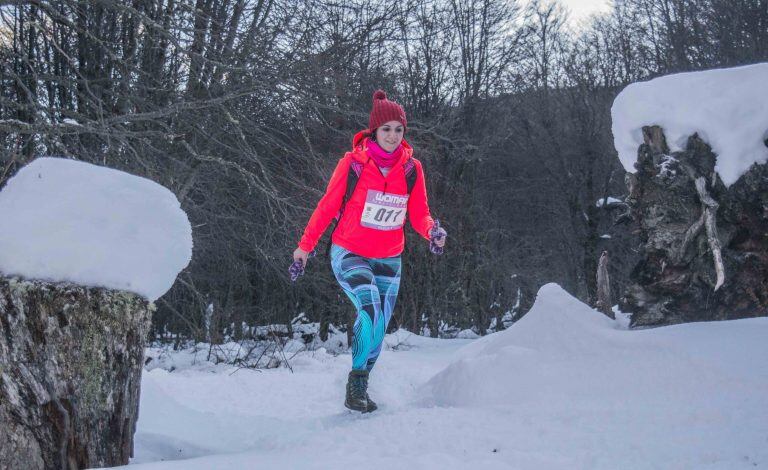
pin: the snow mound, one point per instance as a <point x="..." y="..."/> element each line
<point x="728" y="108"/>
<point x="467" y="334"/>
<point x="563" y="348"/>
<point x="402" y="340"/>
<point x="70" y="221"/>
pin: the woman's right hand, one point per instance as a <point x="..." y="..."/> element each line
<point x="300" y="255"/>
<point x="439" y="237"/>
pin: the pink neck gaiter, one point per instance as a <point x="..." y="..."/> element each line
<point x="381" y="157"/>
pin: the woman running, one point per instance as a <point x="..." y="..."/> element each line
<point x="370" y="193"/>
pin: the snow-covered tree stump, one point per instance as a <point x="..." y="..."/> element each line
<point x="70" y="371"/>
<point x="705" y="249"/>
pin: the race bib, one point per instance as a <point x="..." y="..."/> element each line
<point x="384" y="211"/>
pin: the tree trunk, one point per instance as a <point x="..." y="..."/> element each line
<point x="704" y="255"/>
<point x="70" y="373"/>
<point x="604" y="303"/>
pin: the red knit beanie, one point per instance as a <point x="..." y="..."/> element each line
<point x="385" y="111"/>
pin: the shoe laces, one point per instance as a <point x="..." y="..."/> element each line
<point x="358" y="387"/>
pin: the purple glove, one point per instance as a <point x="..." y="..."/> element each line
<point x="296" y="270"/>
<point x="436" y="233"/>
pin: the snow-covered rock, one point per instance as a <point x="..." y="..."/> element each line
<point x="65" y="220"/>
<point x="727" y="108"/>
<point x="467" y="334"/>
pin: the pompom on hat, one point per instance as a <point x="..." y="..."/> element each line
<point x="384" y="111"/>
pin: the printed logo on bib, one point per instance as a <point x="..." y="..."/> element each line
<point x="384" y="211"/>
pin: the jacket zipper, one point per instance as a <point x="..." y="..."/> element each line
<point x="382" y="174"/>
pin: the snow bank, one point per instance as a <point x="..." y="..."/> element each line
<point x="565" y="354"/>
<point x="728" y="108"/>
<point x="70" y="221"/>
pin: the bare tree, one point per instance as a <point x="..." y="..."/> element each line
<point x="242" y="108"/>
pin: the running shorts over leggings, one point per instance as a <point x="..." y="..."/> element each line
<point x="371" y="284"/>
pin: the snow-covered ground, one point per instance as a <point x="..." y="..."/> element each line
<point x="563" y="388"/>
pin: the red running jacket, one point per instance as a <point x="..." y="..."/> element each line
<point x="351" y="233"/>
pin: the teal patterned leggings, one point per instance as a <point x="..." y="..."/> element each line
<point x="371" y="284"/>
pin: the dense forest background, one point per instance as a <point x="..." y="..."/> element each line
<point x="243" y="107"/>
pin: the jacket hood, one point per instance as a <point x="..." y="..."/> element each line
<point x="360" y="147"/>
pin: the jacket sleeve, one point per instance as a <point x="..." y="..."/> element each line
<point x="418" y="208"/>
<point x="327" y="208"/>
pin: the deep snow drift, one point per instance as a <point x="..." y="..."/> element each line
<point x="728" y="108"/>
<point x="563" y="388"/>
<point x="65" y="220"/>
